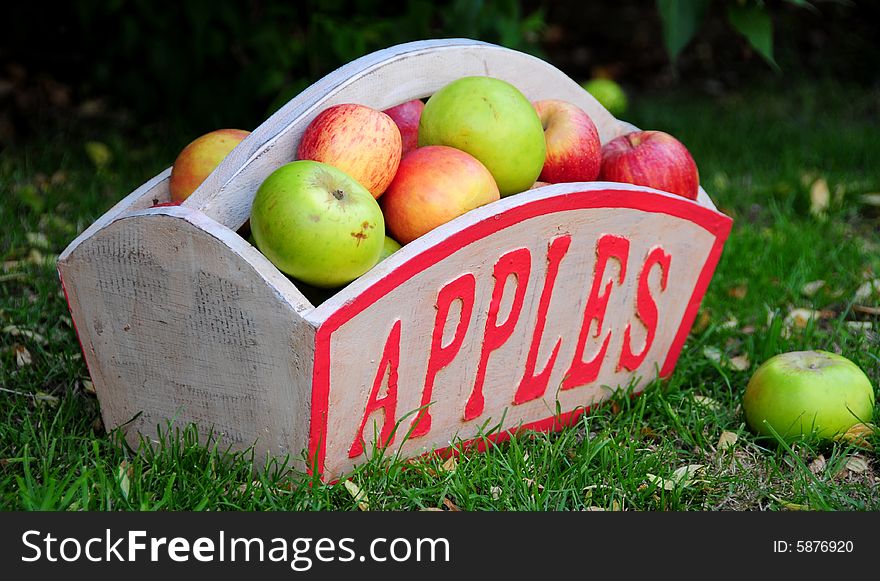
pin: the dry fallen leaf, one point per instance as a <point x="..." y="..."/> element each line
<point x="708" y="403"/>
<point x="858" y="435"/>
<point x="811" y="288"/>
<point x="660" y="482"/>
<point x="820" y="197"/>
<point x="450" y="464"/>
<point x="47" y="398"/>
<point x="22" y="355"/>
<point x="818" y="465"/>
<point x="360" y="497"/>
<point x="712" y="353"/>
<point x="88" y="386"/>
<point x="857" y="464"/>
<point x="726" y="440"/>
<point x="495" y="491"/>
<point x="867" y="289"/>
<point x="14" y="331"/>
<point x="685" y="475"/>
<point x="740" y="363"/>
<point x="450" y="505"/>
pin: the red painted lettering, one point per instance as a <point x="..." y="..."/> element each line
<point x="388" y="403"/>
<point x="581" y="372"/>
<point x="518" y="263"/>
<point x="533" y="386"/>
<point x="646" y="309"/>
<point x="441" y="355"/>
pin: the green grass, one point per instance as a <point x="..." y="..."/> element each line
<point x="760" y="153"/>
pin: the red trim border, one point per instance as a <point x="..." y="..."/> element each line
<point x="710" y="220"/>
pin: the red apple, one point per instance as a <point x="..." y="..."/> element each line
<point x="433" y="185"/>
<point x="574" y="151"/>
<point x="651" y="158"/>
<point x="359" y="140"/>
<point x="199" y="158"/>
<point x="407" y="116"/>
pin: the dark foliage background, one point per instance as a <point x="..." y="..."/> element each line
<point x="202" y="64"/>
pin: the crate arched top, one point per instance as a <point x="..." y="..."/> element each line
<point x="522" y="313"/>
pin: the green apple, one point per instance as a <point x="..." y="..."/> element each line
<point x="494" y="122"/>
<point x="389" y="247"/>
<point x="317" y="224"/>
<point x="609" y="94"/>
<point x="802" y="392"/>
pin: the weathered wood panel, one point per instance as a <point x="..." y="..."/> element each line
<point x="183" y="321"/>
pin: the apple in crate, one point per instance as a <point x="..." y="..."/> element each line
<point x="434" y="184"/>
<point x="654" y="159"/>
<point x="406" y="116"/>
<point x="389" y="247"/>
<point x="359" y="140"/>
<point x="797" y="393"/>
<point x="199" y="158"/>
<point x="493" y="121"/>
<point x="574" y="151"/>
<point x="317" y="224"/>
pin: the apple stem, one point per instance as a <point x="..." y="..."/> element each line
<point x="338" y="194"/>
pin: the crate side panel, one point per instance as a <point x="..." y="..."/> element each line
<point x="548" y="308"/>
<point x="177" y="327"/>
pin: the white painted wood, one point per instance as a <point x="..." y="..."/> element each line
<point x="380" y="80"/>
<point x="358" y="345"/>
<point x="183" y="321"/>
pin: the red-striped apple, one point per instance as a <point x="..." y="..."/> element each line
<point x="493" y="121"/>
<point x="654" y="159"/>
<point x="407" y="116"/>
<point x="317" y="224"/>
<point x="433" y="185"/>
<point x="574" y="151"/>
<point x="199" y="158"/>
<point x="359" y="140"/>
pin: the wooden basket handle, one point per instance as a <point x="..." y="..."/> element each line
<point x="380" y="80"/>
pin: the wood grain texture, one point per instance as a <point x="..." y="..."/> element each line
<point x="183" y="321"/>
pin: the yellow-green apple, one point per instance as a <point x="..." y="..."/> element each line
<point x="317" y="224"/>
<point x="804" y="392"/>
<point x="359" y="140"/>
<point x="654" y="159"/>
<point x="199" y="158"/>
<point x="574" y="151"/>
<point x="389" y="247"/>
<point x="609" y="94"/>
<point x="407" y="116"/>
<point x="493" y="121"/>
<point x="433" y="185"/>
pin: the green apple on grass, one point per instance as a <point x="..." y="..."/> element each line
<point x="494" y="122"/>
<point x="317" y="224"/>
<point x="800" y="393"/>
<point x="609" y="94"/>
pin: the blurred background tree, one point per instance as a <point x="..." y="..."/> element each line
<point x="203" y="64"/>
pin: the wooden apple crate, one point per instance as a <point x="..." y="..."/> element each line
<point x="520" y="314"/>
